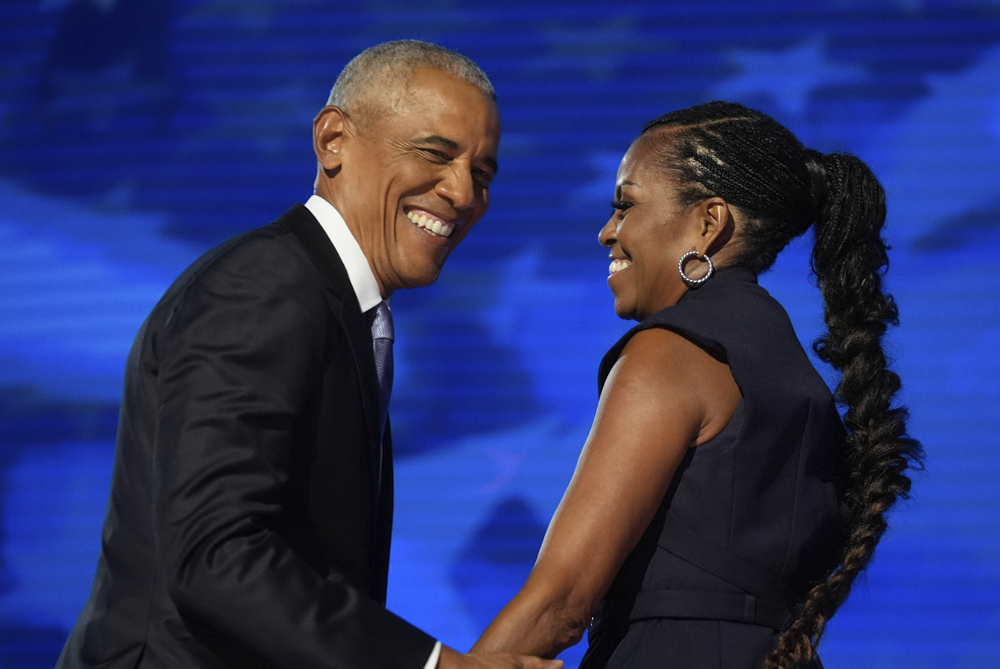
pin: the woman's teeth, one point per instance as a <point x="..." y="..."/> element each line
<point x="431" y="225"/>
<point x="618" y="265"/>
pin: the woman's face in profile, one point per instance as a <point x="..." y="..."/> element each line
<point x="647" y="234"/>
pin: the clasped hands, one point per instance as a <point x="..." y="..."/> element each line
<point x="452" y="659"/>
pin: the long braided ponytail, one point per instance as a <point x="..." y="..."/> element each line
<point x="782" y="188"/>
<point x="848" y="259"/>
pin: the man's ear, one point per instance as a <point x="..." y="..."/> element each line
<point x="717" y="225"/>
<point x="328" y="136"/>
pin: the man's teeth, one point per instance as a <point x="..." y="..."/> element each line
<point x="432" y="225"/>
<point x="618" y="265"/>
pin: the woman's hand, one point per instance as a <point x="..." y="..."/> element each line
<point x="452" y="659"/>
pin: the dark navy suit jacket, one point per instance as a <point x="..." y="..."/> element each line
<point x="249" y="519"/>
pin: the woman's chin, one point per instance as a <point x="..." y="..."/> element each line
<point x="625" y="311"/>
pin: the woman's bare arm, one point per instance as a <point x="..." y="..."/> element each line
<point x="663" y="396"/>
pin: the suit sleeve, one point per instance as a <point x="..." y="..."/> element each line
<point x="237" y="360"/>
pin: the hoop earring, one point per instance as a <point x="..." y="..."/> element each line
<point x="688" y="280"/>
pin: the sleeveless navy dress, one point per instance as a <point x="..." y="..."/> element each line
<point x="752" y="519"/>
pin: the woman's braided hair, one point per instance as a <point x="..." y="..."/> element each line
<point x="757" y="165"/>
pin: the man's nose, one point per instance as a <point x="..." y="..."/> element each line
<point x="457" y="187"/>
<point x="608" y="234"/>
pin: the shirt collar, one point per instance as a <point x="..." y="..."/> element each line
<point x="358" y="270"/>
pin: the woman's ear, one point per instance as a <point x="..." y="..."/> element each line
<point x="328" y="135"/>
<point x="717" y="225"/>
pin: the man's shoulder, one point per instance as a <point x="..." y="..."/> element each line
<point x="273" y="244"/>
<point x="264" y="259"/>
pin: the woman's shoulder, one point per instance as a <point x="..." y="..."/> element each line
<point x="730" y="312"/>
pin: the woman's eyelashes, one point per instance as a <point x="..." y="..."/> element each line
<point x="621" y="206"/>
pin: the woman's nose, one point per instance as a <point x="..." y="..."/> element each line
<point x="609" y="233"/>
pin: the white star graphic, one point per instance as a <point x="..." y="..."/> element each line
<point x="789" y="77"/>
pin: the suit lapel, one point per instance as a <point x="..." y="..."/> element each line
<point x="328" y="263"/>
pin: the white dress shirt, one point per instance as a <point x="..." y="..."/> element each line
<point x="358" y="269"/>
<point x="362" y="280"/>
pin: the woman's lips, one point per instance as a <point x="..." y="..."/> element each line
<point x="618" y="264"/>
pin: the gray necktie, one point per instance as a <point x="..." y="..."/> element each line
<point x="382" y="338"/>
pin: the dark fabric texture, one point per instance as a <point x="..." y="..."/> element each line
<point x="246" y="527"/>
<point x="752" y="519"/>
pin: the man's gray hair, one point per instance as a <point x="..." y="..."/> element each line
<point x="376" y="77"/>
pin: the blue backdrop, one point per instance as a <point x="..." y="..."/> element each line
<point x="136" y="134"/>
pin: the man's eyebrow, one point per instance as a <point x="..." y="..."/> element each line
<point x="490" y="161"/>
<point x="440" y="141"/>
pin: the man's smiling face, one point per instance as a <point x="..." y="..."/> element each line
<point x="412" y="182"/>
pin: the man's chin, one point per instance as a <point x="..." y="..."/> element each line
<point x="421" y="276"/>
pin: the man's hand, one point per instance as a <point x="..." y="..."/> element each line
<point x="452" y="659"/>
